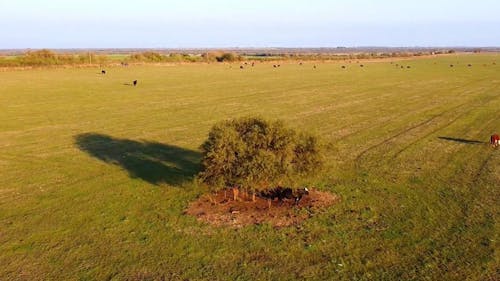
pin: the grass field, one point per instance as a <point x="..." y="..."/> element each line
<point x="95" y="174"/>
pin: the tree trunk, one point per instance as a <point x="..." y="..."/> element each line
<point x="235" y="193"/>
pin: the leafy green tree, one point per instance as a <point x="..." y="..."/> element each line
<point x="257" y="155"/>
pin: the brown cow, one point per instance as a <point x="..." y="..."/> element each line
<point x="495" y="140"/>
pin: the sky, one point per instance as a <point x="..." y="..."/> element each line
<point x="257" y="23"/>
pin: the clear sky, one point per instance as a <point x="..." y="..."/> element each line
<point x="256" y="23"/>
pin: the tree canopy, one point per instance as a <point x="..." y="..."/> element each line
<point x="257" y="154"/>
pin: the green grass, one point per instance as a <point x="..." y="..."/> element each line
<point x="95" y="174"/>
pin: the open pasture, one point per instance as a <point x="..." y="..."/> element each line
<point x="95" y="174"/>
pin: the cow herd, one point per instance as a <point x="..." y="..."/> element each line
<point x="134" y="83"/>
<point x="281" y="193"/>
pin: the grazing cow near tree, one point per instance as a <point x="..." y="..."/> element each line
<point x="495" y="140"/>
<point x="286" y="193"/>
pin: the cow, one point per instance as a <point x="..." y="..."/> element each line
<point x="135" y="82"/>
<point x="495" y="140"/>
<point x="241" y="67"/>
<point x="343" y="66"/>
<point x="283" y="193"/>
<point x="103" y="71"/>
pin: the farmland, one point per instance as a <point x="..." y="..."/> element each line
<point x="95" y="174"/>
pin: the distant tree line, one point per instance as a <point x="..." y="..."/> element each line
<point x="47" y="57"/>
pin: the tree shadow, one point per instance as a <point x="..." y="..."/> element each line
<point x="153" y="162"/>
<point x="462" y="140"/>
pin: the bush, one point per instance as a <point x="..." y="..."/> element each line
<point x="257" y="155"/>
<point x="228" y="57"/>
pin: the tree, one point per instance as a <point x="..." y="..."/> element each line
<point x="257" y="155"/>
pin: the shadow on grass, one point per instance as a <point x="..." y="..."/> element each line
<point x="462" y="140"/>
<point x="153" y="162"/>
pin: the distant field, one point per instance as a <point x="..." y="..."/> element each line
<point x="95" y="174"/>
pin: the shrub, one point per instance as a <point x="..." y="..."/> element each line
<point x="257" y="155"/>
<point x="228" y="57"/>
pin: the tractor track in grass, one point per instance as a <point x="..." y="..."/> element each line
<point x="417" y="125"/>
<point x="442" y="127"/>
<point x="423" y="123"/>
<point x="482" y="168"/>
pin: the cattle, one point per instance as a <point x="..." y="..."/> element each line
<point x="402" y="66"/>
<point x="253" y="64"/>
<point x="469" y="65"/>
<point x="451" y="65"/>
<point x="314" y="67"/>
<point x="241" y="67"/>
<point x="343" y="66"/>
<point x="134" y="82"/>
<point x="361" y="65"/>
<point x="283" y="193"/>
<point x="408" y="66"/>
<point x="495" y="140"/>
<point x="274" y="66"/>
<point x="300" y="63"/>
<point x="103" y="71"/>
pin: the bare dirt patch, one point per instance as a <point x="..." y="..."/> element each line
<point x="221" y="210"/>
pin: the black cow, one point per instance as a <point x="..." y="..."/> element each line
<point x="283" y="193"/>
<point x="103" y="71"/>
<point x="135" y="82"/>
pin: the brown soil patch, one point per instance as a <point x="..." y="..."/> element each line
<point x="221" y="210"/>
